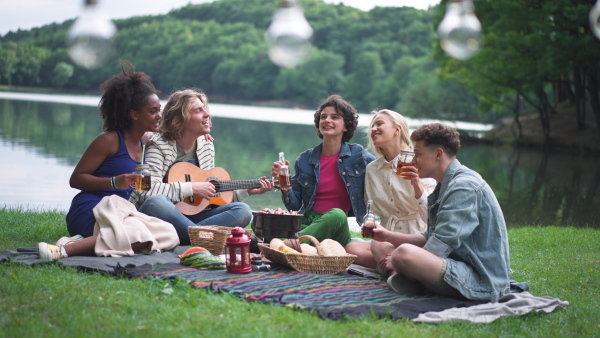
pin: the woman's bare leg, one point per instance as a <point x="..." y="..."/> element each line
<point x="85" y="247"/>
<point x="362" y="250"/>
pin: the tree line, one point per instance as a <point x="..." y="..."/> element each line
<point x="376" y="59"/>
<point x="536" y="53"/>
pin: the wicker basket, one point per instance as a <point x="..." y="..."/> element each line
<point x="324" y="265"/>
<point x="269" y="226"/>
<point x="211" y="237"/>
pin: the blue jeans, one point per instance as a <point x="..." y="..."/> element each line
<point x="228" y="215"/>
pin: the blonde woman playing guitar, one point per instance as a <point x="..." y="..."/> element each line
<point x="184" y="138"/>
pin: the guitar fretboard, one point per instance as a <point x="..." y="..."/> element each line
<point x="235" y="185"/>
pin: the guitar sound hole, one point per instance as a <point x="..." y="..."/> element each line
<point x="215" y="181"/>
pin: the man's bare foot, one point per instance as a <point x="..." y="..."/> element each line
<point x="383" y="267"/>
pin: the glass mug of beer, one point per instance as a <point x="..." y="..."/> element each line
<point x="142" y="183"/>
<point x="404" y="159"/>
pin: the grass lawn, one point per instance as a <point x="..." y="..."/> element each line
<point x="51" y="301"/>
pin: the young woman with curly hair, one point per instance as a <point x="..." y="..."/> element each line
<point x="130" y="108"/>
<point x="328" y="184"/>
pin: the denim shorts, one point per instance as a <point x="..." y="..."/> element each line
<point x="441" y="287"/>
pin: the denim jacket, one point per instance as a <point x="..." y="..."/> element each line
<point x="352" y="165"/>
<point x="466" y="226"/>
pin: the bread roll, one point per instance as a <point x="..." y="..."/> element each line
<point x="330" y="247"/>
<point x="308" y="249"/>
<point x="278" y="244"/>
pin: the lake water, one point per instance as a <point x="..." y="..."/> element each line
<point x="42" y="137"/>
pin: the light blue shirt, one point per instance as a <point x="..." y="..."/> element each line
<point x="466" y="227"/>
<point x="352" y="165"/>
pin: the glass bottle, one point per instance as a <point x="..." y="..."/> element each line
<point x="142" y="183"/>
<point x="368" y="221"/>
<point x="285" y="181"/>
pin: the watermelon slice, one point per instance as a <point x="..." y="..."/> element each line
<point x="192" y="250"/>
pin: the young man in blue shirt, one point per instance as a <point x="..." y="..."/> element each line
<point x="464" y="252"/>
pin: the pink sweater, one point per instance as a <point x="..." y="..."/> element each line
<point x="331" y="191"/>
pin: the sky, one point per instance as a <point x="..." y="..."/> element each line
<point x="27" y="14"/>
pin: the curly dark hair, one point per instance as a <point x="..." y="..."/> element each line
<point x="345" y="109"/>
<point x="121" y="93"/>
<point x="438" y="135"/>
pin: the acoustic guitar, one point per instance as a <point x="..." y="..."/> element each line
<point x="219" y="177"/>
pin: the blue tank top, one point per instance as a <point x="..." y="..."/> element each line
<point x="117" y="164"/>
<point x="80" y="218"/>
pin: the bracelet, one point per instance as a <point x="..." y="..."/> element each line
<point x="113" y="182"/>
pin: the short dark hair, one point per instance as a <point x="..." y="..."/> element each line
<point x="345" y="109"/>
<point x="121" y="93"/>
<point x="438" y="135"/>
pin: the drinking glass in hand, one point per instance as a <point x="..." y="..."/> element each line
<point x="143" y="183"/>
<point x="403" y="160"/>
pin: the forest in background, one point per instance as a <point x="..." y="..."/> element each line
<point x="536" y="54"/>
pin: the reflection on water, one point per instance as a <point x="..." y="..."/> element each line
<point x="536" y="187"/>
<point x="40" y="143"/>
<point x="33" y="181"/>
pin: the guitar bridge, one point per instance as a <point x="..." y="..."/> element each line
<point x="189" y="179"/>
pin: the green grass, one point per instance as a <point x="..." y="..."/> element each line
<point x="51" y="301"/>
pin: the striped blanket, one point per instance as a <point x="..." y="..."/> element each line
<point x="332" y="296"/>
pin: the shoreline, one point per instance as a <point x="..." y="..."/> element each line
<point x="564" y="134"/>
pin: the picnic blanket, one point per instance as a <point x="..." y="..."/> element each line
<point x="112" y="265"/>
<point x="331" y="296"/>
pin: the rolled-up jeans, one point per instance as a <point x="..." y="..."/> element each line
<point x="227" y="215"/>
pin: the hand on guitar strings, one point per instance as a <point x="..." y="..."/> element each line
<point x="266" y="185"/>
<point x="204" y="190"/>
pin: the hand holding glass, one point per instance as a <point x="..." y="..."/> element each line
<point x="403" y="160"/>
<point x="370" y="221"/>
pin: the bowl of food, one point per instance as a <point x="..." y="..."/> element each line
<point x="268" y="224"/>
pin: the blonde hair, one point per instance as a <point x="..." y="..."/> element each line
<point x="398" y="120"/>
<point x="176" y="113"/>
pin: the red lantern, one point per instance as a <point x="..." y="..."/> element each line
<point x="237" y="252"/>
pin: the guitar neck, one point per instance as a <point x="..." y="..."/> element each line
<point x="235" y="185"/>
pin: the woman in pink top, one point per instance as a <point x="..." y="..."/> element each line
<point x="328" y="183"/>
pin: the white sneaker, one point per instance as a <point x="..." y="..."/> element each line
<point x="50" y="252"/>
<point x="68" y="240"/>
<point x="403" y="285"/>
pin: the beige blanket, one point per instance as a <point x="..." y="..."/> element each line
<point x="118" y="224"/>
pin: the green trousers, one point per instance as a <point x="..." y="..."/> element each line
<point x="332" y="224"/>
